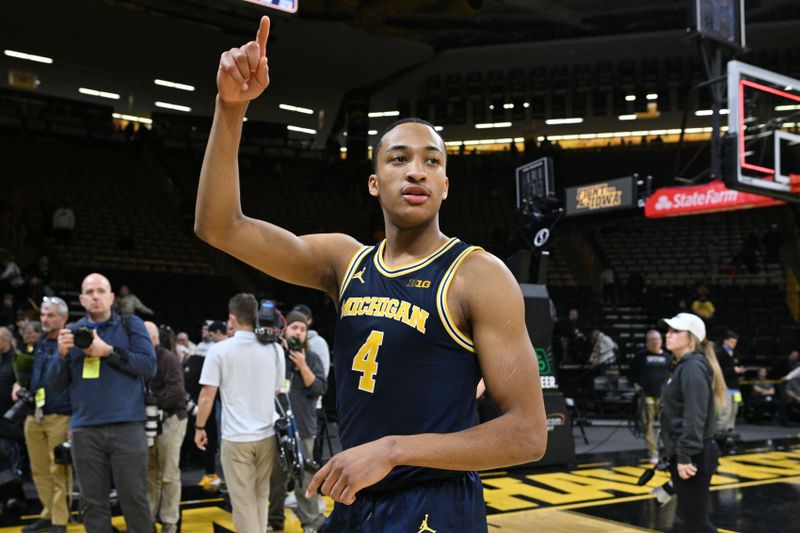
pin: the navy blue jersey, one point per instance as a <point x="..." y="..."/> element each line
<point x="402" y="366"/>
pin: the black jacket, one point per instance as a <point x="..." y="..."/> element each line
<point x="687" y="407"/>
<point x="650" y="370"/>
<point x="727" y="363"/>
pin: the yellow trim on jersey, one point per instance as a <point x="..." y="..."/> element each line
<point x="413" y="267"/>
<point x="441" y="302"/>
<point x="354" y="262"/>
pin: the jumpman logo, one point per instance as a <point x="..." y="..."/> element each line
<point x="358" y="275"/>
<point x="424" y="526"/>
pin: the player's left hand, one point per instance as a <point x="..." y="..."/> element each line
<point x="351" y="470"/>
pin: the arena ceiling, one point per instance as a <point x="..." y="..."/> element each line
<point x="326" y="49"/>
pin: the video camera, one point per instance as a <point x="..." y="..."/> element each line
<point x="647" y="475"/>
<point x="268" y="322"/>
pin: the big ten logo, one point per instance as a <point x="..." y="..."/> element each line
<point x="419" y="283"/>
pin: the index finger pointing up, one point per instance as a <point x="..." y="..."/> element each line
<point x="262" y="35"/>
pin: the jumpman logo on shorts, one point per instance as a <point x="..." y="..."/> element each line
<point x="424" y="526"/>
<point x="358" y="275"/>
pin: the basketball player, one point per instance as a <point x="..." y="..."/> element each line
<point x="422" y="317"/>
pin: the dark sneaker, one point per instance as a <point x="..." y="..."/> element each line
<point x="42" y="524"/>
<point x="58" y="529"/>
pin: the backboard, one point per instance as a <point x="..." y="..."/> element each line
<point x="763" y="141"/>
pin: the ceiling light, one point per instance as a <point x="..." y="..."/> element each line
<point x="526" y="104"/>
<point x="175" y="107"/>
<point x="492" y="125"/>
<point x="652" y="96"/>
<point x="174" y="85"/>
<point x="630" y="98"/>
<point x="29" y="57"/>
<point x="372" y="132"/>
<point x="709" y="112"/>
<point x="508" y="106"/>
<point x="101" y="94"/>
<point x="557" y="121"/>
<point x="438" y="128"/>
<point x="787" y="108"/>
<point x="132" y="118"/>
<point x="297" y="109"/>
<point x="627" y="117"/>
<point x="301" y="130"/>
<point x="377" y="114"/>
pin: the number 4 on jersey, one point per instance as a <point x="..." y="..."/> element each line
<point x="365" y="361"/>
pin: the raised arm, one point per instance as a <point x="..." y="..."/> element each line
<point x="488" y="299"/>
<point x="316" y="261"/>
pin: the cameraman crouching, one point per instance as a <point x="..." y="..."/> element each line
<point x="103" y="361"/>
<point x="49" y="426"/>
<point x="164" y="472"/>
<point x="307" y="382"/>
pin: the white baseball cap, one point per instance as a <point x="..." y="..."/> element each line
<point x="687" y="322"/>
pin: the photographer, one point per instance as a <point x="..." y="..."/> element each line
<point x="104" y="361"/>
<point x="164" y="473"/>
<point x="307" y="383"/>
<point x="49" y="425"/>
<point x="248" y="374"/>
<point x="688" y="402"/>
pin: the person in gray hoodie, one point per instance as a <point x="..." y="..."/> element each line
<point x="688" y="402"/>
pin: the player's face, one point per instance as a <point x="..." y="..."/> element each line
<point x="409" y="178"/>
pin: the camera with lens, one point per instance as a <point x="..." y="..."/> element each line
<point x="647" y="475"/>
<point x="84" y="336"/>
<point x="191" y="407"/>
<point x="267" y="322"/>
<point x="62" y="453"/>
<point x="294" y="344"/>
<point x="21" y="408"/>
<point x="152" y="425"/>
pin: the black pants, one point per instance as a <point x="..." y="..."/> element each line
<point x="692" y="493"/>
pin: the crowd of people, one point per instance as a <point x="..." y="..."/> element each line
<point x="91" y="383"/>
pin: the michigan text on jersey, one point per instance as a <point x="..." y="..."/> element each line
<point x="392" y="308"/>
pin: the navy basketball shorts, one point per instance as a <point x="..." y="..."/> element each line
<point x="449" y="506"/>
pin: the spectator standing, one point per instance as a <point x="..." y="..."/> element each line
<point x="164" y="473"/>
<point x="649" y="371"/>
<point x="128" y="303"/>
<point x="731" y="371"/>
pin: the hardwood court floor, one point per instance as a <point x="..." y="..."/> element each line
<point x="753" y="492"/>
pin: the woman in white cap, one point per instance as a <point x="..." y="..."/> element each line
<point x="688" y="403"/>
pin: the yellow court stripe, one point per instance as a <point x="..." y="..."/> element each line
<point x="612" y="500"/>
<point x="413" y="267"/>
<point x="725" y="530"/>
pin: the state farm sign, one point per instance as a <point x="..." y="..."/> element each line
<point x="698" y="199"/>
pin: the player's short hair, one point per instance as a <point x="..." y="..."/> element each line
<point x="244" y="307"/>
<point x="393" y="125"/>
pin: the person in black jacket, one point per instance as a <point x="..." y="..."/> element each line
<point x="687" y="418"/>
<point x="731" y="372"/>
<point x="649" y="371"/>
<point x="164" y="473"/>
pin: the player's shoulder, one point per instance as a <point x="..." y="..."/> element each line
<point x="480" y="265"/>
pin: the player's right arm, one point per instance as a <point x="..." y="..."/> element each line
<point x="316" y="261"/>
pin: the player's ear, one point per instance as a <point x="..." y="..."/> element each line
<point x="372" y="184"/>
<point x="446" y="187"/>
